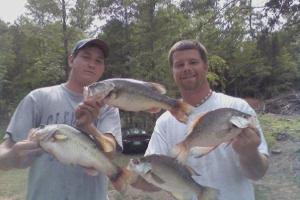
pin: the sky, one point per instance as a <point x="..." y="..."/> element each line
<point x="10" y="10"/>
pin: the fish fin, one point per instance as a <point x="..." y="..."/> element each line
<point x="229" y="143"/>
<point x="141" y="184"/>
<point x="156" y="178"/>
<point x="60" y="137"/>
<point x="195" y="121"/>
<point x="180" y="152"/>
<point x="239" y="122"/>
<point x="158" y="87"/>
<point x="198" y="152"/>
<point x="121" y="179"/>
<point x="181" y="111"/>
<point x="90" y="171"/>
<point x="177" y="195"/>
<point x="208" y="193"/>
<point x="191" y="171"/>
<point x="153" y="110"/>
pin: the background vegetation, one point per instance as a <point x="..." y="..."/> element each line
<point x="253" y="51"/>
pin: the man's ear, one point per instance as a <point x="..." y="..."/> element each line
<point x="71" y="58"/>
<point x="206" y="66"/>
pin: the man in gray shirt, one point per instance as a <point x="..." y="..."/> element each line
<point x="62" y="104"/>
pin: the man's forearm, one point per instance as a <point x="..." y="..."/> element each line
<point x="107" y="141"/>
<point x="255" y="165"/>
<point x="5" y="161"/>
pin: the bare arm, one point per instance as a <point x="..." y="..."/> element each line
<point x="253" y="163"/>
<point x="18" y="155"/>
<point x="85" y="113"/>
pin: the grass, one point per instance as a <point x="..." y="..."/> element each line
<point x="273" y="125"/>
<point x="2" y="131"/>
<point x="13" y="184"/>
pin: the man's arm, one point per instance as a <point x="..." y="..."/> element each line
<point x="107" y="140"/>
<point x="85" y="113"/>
<point x="18" y="155"/>
<point x="254" y="164"/>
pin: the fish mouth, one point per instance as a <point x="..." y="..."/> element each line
<point x="99" y="90"/>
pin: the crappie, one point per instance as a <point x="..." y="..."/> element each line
<point x="211" y="129"/>
<point x="171" y="176"/>
<point x="70" y="146"/>
<point x="135" y="95"/>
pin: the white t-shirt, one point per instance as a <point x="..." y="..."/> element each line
<point x="220" y="168"/>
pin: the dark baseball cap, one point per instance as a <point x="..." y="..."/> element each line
<point x="91" y="41"/>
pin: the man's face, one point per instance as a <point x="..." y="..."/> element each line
<point x="88" y="65"/>
<point x="189" y="70"/>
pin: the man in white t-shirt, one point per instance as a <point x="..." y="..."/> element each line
<point x="229" y="168"/>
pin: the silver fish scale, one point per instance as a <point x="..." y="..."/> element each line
<point x="172" y="163"/>
<point x="143" y="89"/>
<point x="219" y="116"/>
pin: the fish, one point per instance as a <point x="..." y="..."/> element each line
<point x="209" y="130"/>
<point x="171" y="176"/>
<point x="136" y="95"/>
<point x="70" y="146"/>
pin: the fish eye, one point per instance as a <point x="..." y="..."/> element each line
<point x="42" y="126"/>
<point x="135" y="161"/>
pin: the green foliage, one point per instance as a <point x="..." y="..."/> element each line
<point x="81" y="14"/>
<point x="245" y="59"/>
<point x="217" y="73"/>
<point x="43" y="11"/>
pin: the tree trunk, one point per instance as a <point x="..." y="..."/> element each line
<point x="64" y="24"/>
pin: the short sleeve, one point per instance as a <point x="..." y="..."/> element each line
<point x="158" y="143"/>
<point x="110" y="123"/>
<point x="25" y="117"/>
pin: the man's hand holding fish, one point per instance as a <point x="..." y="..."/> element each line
<point x="246" y="145"/>
<point x="85" y="113"/>
<point x="19" y="155"/>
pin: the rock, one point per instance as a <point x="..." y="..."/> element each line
<point x="276" y="150"/>
<point x="282" y="136"/>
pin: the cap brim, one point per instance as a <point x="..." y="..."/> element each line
<point x="100" y="43"/>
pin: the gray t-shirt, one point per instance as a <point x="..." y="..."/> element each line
<point x="48" y="178"/>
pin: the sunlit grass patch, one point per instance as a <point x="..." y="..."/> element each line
<point x="273" y="125"/>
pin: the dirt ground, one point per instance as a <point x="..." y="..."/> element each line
<point x="282" y="181"/>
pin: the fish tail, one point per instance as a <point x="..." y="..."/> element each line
<point x="121" y="179"/>
<point x="208" y="193"/>
<point x="180" y="152"/>
<point x="182" y="111"/>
